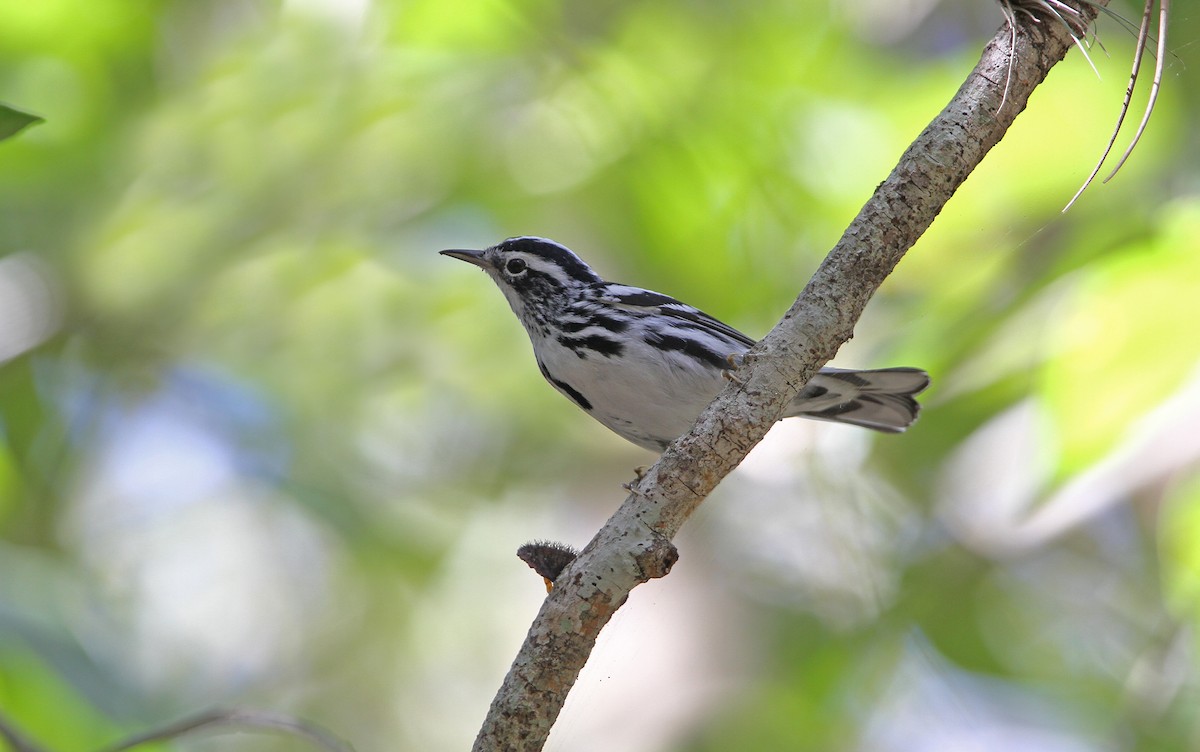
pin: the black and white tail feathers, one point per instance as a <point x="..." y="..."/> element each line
<point x="881" y="399"/>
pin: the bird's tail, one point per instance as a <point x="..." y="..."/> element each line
<point x="882" y="399"/>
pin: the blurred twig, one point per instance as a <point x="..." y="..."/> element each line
<point x="242" y="718"/>
<point x="17" y="742"/>
<point x="251" y="719"/>
<point x="634" y="544"/>
<point x="1143" y="36"/>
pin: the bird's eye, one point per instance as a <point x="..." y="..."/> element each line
<point x="515" y="266"/>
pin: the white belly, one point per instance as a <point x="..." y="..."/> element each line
<point x="647" y="396"/>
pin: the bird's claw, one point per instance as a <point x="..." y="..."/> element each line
<point x="631" y="487"/>
<point x="735" y="361"/>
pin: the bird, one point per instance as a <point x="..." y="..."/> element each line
<point x="645" y="364"/>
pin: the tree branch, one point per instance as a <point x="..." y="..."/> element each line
<point x="634" y="545"/>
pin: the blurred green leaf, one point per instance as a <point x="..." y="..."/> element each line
<point x="1131" y="314"/>
<point x="1180" y="555"/>
<point x="13" y="121"/>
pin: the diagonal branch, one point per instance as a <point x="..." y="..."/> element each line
<point x="634" y="545"/>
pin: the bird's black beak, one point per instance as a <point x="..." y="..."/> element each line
<point x="471" y="257"/>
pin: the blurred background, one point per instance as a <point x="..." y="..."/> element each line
<point x="261" y="446"/>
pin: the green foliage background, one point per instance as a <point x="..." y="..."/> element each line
<point x="260" y="445"/>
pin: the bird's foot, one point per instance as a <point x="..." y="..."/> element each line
<point x="631" y="486"/>
<point x="735" y="361"/>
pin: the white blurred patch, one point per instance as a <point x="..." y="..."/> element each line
<point x="30" y="308"/>
<point x="994" y="493"/>
<point x="993" y="478"/>
<point x="349" y="13"/>
<point x="211" y="580"/>
<point x="1158" y="446"/>
<point x="931" y="706"/>
<point x="806" y="522"/>
<point x="886" y="21"/>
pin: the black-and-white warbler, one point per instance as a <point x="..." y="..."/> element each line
<point x="645" y="364"/>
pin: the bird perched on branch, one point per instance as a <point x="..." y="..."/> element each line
<point x="645" y="364"/>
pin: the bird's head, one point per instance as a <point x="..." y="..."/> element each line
<point x="538" y="276"/>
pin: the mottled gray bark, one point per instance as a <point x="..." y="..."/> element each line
<point x="634" y="545"/>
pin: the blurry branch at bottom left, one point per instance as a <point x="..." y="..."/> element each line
<point x="231" y="718"/>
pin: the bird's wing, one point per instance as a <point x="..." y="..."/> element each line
<point x="637" y="298"/>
